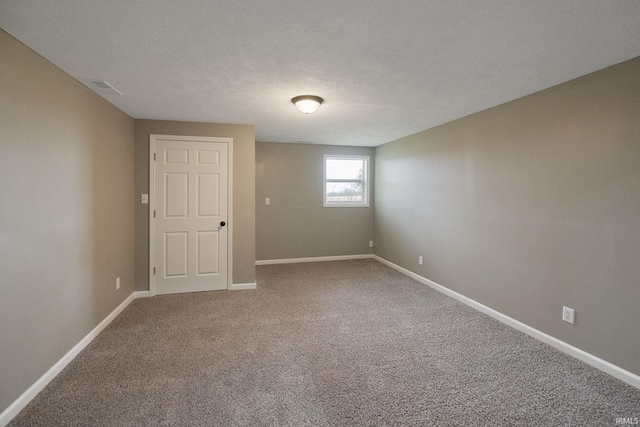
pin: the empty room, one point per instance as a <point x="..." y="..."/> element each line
<point x="244" y="213"/>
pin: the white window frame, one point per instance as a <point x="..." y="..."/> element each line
<point x="363" y="204"/>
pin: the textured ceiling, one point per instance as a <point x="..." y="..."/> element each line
<point x="386" y="69"/>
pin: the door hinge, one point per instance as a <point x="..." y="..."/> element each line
<point x="154" y="271"/>
<point x="154" y="213"/>
<point x="154" y="156"/>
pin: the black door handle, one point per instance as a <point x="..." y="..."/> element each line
<point x="222" y="223"/>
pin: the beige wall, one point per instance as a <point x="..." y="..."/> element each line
<point x="66" y="214"/>
<point x="295" y="224"/>
<point x="527" y="207"/>
<point x="243" y="191"/>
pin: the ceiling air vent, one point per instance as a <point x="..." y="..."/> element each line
<point x="101" y="86"/>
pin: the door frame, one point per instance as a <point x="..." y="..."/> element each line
<point x="153" y="138"/>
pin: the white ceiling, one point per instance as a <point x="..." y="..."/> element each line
<point x="385" y="68"/>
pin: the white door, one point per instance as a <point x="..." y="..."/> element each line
<point x="190" y="204"/>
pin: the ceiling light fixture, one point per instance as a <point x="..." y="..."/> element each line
<point x="307" y="104"/>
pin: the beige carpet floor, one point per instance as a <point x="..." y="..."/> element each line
<point x="323" y="344"/>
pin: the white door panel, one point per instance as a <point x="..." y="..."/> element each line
<point x="176" y="254"/>
<point x="176" y="195"/>
<point x="191" y="203"/>
<point x="208" y="203"/>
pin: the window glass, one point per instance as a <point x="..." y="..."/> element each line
<point x="346" y="181"/>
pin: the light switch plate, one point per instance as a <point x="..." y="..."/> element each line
<point x="144" y="199"/>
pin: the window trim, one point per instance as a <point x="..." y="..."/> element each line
<point x="366" y="176"/>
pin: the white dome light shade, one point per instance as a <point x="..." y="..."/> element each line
<point x="307" y="104"/>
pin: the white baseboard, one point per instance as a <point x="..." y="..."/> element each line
<point x="313" y="259"/>
<point x="607" y="367"/>
<point x="141" y="294"/>
<point x="18" y="405"/>
<point x="242" y="286"/>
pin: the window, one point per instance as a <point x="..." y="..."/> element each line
<point x="346" y="181"/>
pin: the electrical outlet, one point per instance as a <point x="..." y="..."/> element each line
<point x="568" y="314"/>
<point x="117" y="283"/>
<point x="420" y="260"/>
<point x="370" y="243"/>
<point x="267" y="201"/>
